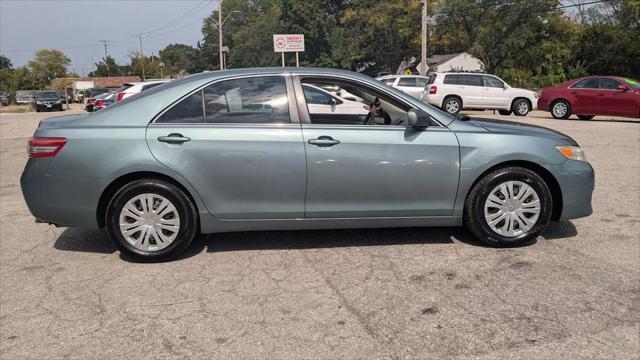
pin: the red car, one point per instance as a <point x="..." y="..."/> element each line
<point x="592" y="95"/>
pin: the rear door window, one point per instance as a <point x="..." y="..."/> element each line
<point x="187" y="111"/>
<point x="472" y="80"/>
<point x="586" y="84"/>
<point x="255" y="100"/>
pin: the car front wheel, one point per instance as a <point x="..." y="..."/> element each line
<point x="509" y="206"/>
<point x="521" y="107"/>
<point x="505" y="112"/>
<point x="560" y="109"/>
<point x="151" y="219"/>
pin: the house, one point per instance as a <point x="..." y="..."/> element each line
<point x="463" y="61"/>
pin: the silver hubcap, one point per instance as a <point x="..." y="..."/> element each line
<point x="512" y="208"/>
<point x="523" y="107"/>
<point x="560" y="109"/>
<point x="452" y="106"/>
<point x="149" y="222"/>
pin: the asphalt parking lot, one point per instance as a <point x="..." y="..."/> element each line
<point x="391" y="293"/>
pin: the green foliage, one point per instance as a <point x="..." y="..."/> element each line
<point x="107" y="67"/>
<point x="177" y="57"/>
<point x="48" y="65"/>
<point x="5" y="62"/>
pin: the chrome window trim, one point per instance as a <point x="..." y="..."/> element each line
<point x="293" y="111"/>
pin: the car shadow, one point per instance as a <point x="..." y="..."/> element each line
<point x="558" y="230"/>
<point x="95" y="241"/>
<point x="84" y="240"/>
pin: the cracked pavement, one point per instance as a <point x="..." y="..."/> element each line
<point x="382" y="293"/>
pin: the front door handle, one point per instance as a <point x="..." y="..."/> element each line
<point x="174" y="139"/>
<point x="324" y="141"/>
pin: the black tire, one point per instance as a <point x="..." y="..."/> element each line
<point x="474" y="206"/>
<point x="505" y="112"/>
<point x="187" y="212"/>
<point x="559" y="115"/>
<point x="585" y="117"/>
<point x="521" y="107"/>
<point x="452" y="105"/>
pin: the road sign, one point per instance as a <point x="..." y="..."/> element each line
<point x="288" y="42"/>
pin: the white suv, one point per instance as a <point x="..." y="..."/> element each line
<point x="410" y="84"/>
<point x="130" y="89"/>
<point x="453" y="92"/>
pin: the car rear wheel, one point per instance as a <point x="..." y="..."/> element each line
<point x="521" y="107"/>
<point x="151" y="219"/>
<point x="505" y="112"/>
<point x="452" y="105"/>
<point x="560" y="109"/>
<point x="585" y="117"/>
<point x="509" y="206"/>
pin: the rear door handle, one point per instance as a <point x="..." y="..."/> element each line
<point x="174" y="139"/>
<point x="324" y="141"/>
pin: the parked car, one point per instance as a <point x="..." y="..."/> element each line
<point x="25" y="97"/>
<point x="48" y="101"/>
<point x="592" y="95"/>
<point x="453" y="92"/>
<point x="91" y="102"/>
<point x="4" y="98"/>
<point x="102" y="103"/>
<point x="130" y="89"/>
<point x="92" y="93"/>
<point x="411" y="84"/>
<point x="163" y="166"/>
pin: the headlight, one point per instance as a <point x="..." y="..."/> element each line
<point x="572" y="152"/>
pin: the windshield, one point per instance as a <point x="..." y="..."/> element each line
<point x="633" y="83"/>
<point x="48" y="95"/>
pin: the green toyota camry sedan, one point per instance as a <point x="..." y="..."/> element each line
<point x="295" y="148"/>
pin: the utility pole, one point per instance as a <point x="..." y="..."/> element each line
<point x="220" y="33"/>
<point x="106" y="55"/>
<point x="142" y="56"/>
<point x="423" y="62"/>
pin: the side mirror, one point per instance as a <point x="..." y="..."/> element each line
<point x="418" y="119"/>
<point x="623" y="88"/>
<point x="332" y="102"/>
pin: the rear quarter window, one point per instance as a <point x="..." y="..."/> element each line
<point x="453" y="79"/>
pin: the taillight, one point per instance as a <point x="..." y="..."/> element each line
<point x="120" y="96"/>
<point x="433" y="90"/>
<point x="45" y="146"/>
<point x="100" y="103"/>
<point x="90" y="101"/>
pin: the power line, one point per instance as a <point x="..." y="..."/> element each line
<point x="180" y="18"/>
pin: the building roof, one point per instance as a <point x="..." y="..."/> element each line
<point x="439" y="59"/>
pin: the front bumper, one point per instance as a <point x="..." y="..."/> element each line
<point x="577" y="181"/>
<point x="60" y="200"/>
<point x="44" y="107"/>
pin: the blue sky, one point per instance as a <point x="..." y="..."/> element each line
<point x="75" y="26"/>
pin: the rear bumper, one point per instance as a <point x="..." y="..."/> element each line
<point x="577" y="182"/>
<point x="60" y="200"/>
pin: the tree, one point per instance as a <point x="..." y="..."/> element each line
<point x="5" y="62"/>
<point x="177" y="57"/>
<point x="106" y="67"/>
<point x="47" y="65"/>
